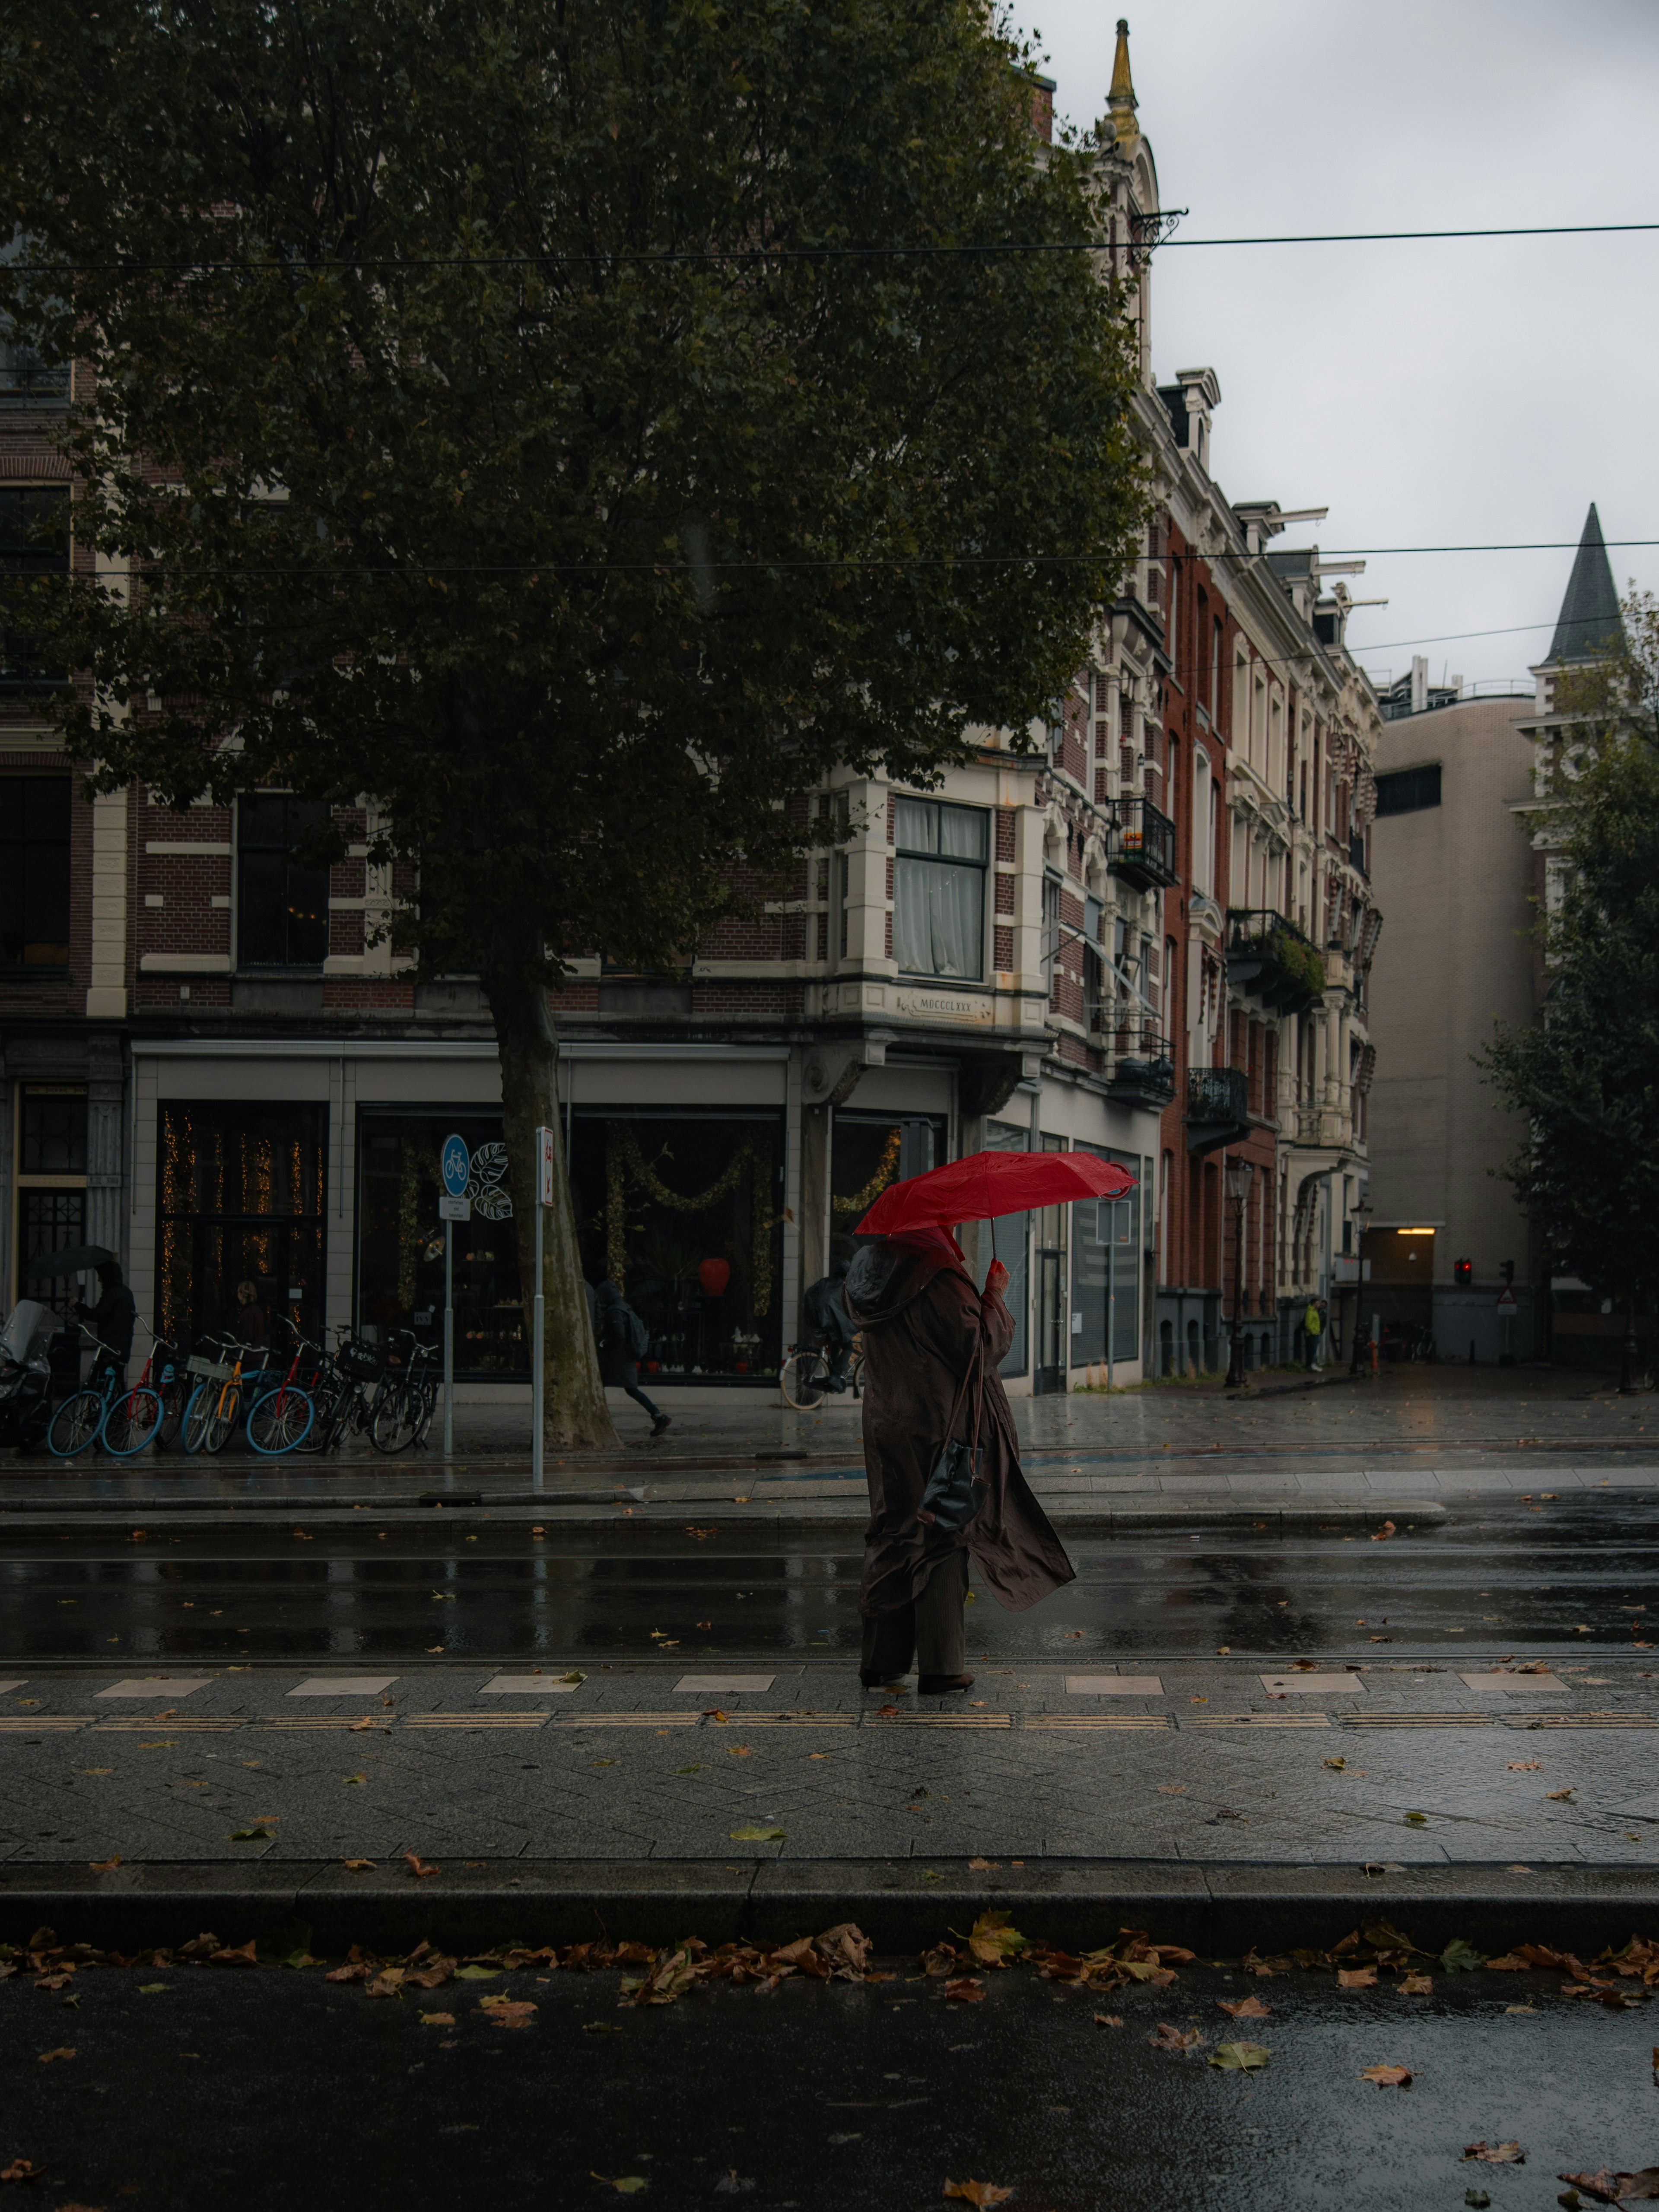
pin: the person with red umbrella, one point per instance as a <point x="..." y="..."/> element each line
<point x="941" y="1457"/>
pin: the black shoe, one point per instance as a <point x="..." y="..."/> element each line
<point x="878" y="1682"/>
<point x="659" y="1425"/>
<point x="935" y="1685"/>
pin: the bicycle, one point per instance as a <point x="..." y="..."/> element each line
<point x="805" y="1380"/>
<point x="212" y="1412"/>
<point x="164" y="1373"/>
<point x="103" y="1412"/>
<point x="340" y="1393"/>
<point x="281" y="1419"/>
<point x="403" y="1415"/>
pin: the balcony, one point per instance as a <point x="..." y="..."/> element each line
<point x="1218" y="1108"/>
<point x="1142" y="844"/>
<point x="1141" y="1069"/>
<point x="1269" y="957"/>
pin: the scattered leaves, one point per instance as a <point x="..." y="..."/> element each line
<point x="1388" y="2077"/>
<point x="1382" y="1534"/>
<point x="507" y="2012"/>
<point x="1416" y="1985"/>
<point x="1612" y="2188"/>
<point x="966" y="1989"/>
<point x="1357" y="1978"/>
<point x="1244" y="2008"/>
<point x="1169" y="2038"/>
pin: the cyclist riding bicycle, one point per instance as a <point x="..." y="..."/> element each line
<point x="831" y="1324"/>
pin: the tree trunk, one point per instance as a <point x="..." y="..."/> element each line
<point x="574" y="1414"/>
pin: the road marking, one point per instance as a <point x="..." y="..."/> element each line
<point x="343" y="1685"/>
<point x="33" y="1728"/>
<point x="1579" y="1721"/>
<point x="1420" y="1720"/>
<point x="160" y="1685"/>
<point x="1114" y="1686"/>
<point x="704" y="1686"/>
<point x="325" y="1720"/>
<point x="1313" y="1685"/>
<point x="1256" y="1720"/>
<point x="628" y="1720"/>
<point x="797" y="1720"/>
<point x="1098" y="1721"/>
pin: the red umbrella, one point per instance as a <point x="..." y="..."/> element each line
<point x="986" y="1184"/>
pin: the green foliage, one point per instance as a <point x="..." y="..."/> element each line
<point x="1587" y="1076"/>
<point x="1298" y="959"/>
<point x="585" y="563"/>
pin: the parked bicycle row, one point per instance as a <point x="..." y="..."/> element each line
<point x="306" y="1399"/>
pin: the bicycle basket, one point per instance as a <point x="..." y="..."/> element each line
<point x="363" y="1363"/>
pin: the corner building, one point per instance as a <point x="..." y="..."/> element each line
<point x="1147" y="938"/>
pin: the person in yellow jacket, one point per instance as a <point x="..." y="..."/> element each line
<point x="1313" y="1330"/>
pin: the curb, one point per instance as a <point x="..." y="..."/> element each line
<point x="1218" y="1909"/>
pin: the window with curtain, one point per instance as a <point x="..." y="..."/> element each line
<point x="941" y="853"/>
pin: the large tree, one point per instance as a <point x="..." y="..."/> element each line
<point x="1586" y="1076"/>
<point x="572" y="426"/>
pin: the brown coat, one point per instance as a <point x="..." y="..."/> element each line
<point x="921" y="1318"/>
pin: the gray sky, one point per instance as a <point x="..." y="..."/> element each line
<point x="1447" y="393"/>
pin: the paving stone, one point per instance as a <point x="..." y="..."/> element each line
<point x="159" y="1686"/>
<point x="527" y="1686"/>
<point x="707" y="1685"/>
<point x="1313" y="1685"/>
<point x="343" y="1685"/>
<point x="1114" y="1686"/>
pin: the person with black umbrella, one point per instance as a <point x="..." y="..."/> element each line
<point x="112" y="1320"/>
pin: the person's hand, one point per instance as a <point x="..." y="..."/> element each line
<point x="996" y="1280"/>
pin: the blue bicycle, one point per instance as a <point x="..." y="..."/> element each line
<point x="105" y="1411"/>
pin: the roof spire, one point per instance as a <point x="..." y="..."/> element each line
<point x="1589" y="626"/>
<point x="1121" y="100"/>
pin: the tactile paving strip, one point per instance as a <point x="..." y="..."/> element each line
<point x="312" y="1721"/>
<point x="34" y="1728"/>
<point x="166" y="1726"/>
<point x="1582" y="1721"/>
<point x="791" y="1720"/>
<point x="477" y="1720"/>
<point x="938" y="1720"/>
<point x="1256" y="1720"/>
<point x="1418" y="1720"/>
<point x="625" y="1720"/>
<point x="1099" y="1721"/>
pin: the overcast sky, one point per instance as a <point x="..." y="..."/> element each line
<point x="1454" y="392"/>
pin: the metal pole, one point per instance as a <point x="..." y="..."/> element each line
<point x="449" y="1341"/>
<point x="1111" y="1295"/>
<point x="536" y="1360"/>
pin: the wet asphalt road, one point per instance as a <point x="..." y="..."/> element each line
<point x="1579" y="1573"/>
<point x="278" y="2088"/>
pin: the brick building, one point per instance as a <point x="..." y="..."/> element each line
<point x="1147" y="939"/>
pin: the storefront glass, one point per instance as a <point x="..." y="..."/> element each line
<point x="1106" y="1267"/>
<point x="684" y="1212"/>
<point x="867" y="1152"/>
<point x="242" y="1201"/>
<point x="400" y="1239"/>
<point x="1010" y="1241"/>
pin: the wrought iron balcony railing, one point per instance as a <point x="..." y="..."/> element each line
<point x="1142" y="844"/>
<point x="1270" y="957"/>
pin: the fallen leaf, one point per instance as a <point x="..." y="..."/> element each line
<point x="358" y="1866"/>
<point x="1244" y="2008"/>
<point x="1558" y="1796"/>
<point x="626" y="2185"/>
<point x="885" y="1712"/>
<point x="1357" y="1978"/>
<point x="993" y="1941"/>
<point x="1169" y="2037"/>
<point x="1416" y="1985"/>
<point x="1531" y="2009"/>
<point x="509" y="2012"/>
<point x="1240" y="2058"/>
<point x="1461" y="1958"/>
<point x="63" y="2050"/>
<point x="966" y="1989"/>
<point x="1386" y="2077"/>
<point x="1525" y="1765"/>
<point x="1502" y="2154"/>
<point x="1416" y="1820"/>
<point x="105" y="1866"/>
<point x="756" y="1835"/>
<point x="978" y="2192"/>
<point x="1109" y="2019"/>
<point x="1382" y="1534"/>
<point x="1616" y="2188"/>
<point x="418" y="1866"/>
<point x="20" y="2169"/>
<point x="1337" y="1763"/>
<point x="1478" y="2200"/>
<point x="477" y="1974"/>
<point x="696" y="1767"/>
<point x="153" y="1989"/>
<point x="251" y="1836"/>
<point x="1172" y="1789"/>
<point x="437" y="2020"/>
<point x="738" y="1751"/>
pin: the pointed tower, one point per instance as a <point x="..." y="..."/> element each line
<point x="1589" y="626"/>
<point x="1121" y="101"/>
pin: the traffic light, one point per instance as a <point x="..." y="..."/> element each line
<point x="1462" y="1273"/>
<point x="1506" y="1269"/>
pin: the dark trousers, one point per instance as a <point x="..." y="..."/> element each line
<point x="631" y="1389"/>
<point x="933" y="1629"/>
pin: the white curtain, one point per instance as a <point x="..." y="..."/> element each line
<point x="939" y="919"/>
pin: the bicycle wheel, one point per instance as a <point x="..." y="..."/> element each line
<point x="396" y="1419"/>
<point x="198" y="1415"/>
<point x="802" y="1379"/>
<point x="223" y="1419"/>
<point x="133" y="1419"/>
<point x="428" y="1397"/>
<point x="855" y="1375"/>
<point x="175" y="1397"/>
<point x="280" y="1420"/>
<point x="75" y="1424"/>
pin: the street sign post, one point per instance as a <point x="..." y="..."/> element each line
<point x="455" y="1205"/>
<point x="545" y="1141"/>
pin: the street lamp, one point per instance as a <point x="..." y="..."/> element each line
<point x="1239" y="1176"/>
<point x="1361" y="1212"/>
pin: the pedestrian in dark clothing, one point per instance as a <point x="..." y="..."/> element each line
<point x="111" y="1320"/>
<point x="248" y="1324"/>
<point x="827" y="1313"/>
<point x="925" y="1326"/>
<point x="619" y="1359"/>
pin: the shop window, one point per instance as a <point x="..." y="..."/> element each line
<point x="684" y="1213"/>
<point x="941" y="854"/>
<point x="241" y="1199"/>
<point x="400" y="1240"/>
<point x="1106" y="1269"/>
<point x="281" y="899"/>
<point x="867" y="1152"/>
<point x="1009" y="1239"/>
<point x="34" y="543"/>
<point x="34" y="872"/>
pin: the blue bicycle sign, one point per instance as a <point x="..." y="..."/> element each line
<point x="456" y="1163"/>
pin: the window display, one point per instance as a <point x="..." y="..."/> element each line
<point x="400" y="1239"/>
<point x="684" y="1213"/>
<point x="242" y="1201"/>
<point x="1106" y="1259"/>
